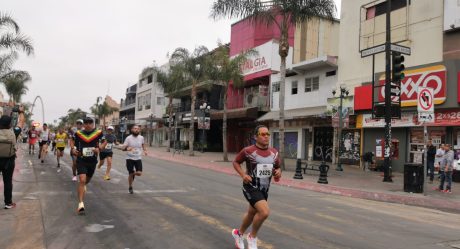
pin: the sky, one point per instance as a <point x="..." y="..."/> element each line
<point x="90" y="48"/>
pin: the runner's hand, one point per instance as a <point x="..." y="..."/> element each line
<point x="96" y="150"/>
<point x="145" y="153"/>
<point x="277" y="173"/>
<point x="247" y="179"/>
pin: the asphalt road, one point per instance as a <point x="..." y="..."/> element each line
<point x="177" y="206"/>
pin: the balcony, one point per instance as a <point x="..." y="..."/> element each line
<point x="127" y="105"/>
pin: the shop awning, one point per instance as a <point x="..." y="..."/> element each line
<point x="250" y="113"/>
<point x="299" y="113"/>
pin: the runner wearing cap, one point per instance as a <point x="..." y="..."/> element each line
<point x="106" y="151"/>
<point x="79" y="124"/>
<point x="86" y="150"/>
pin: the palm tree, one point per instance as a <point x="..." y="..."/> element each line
<point x="192" y="66"/>
<point x="170" y="79"/>
<point x="15" y="84"/>
<point x="11" y="37"/>
<point x="227" y="71"/>
<point x="282" y="14"/>
<point x="103" y="111"/>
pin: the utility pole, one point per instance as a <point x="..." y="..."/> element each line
<point x="387" y="152"/>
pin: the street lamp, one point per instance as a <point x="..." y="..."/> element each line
<point x="151" y="117"/>
<point x="122" y="127"/>
<point x="98" y="108"/>
<point x="343" y="93"/>
<point x="205" y="109"/>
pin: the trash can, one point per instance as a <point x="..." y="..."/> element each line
<point x="413" y="177"/>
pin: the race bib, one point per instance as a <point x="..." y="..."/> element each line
<point x="109" y="146"/>
<point x="264" y="170"/>
<point x="88" y="151"/>
<point x="60" y="140"/>
<point x="136" y="152"/>
<point x="33" y="136"/>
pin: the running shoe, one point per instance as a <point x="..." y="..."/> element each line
<point x="74" y="178"/>
<point x="81" y="208"/>
<point x="252" y="242"/>
<point x="239" y="241"/>
<point x="131" y="190"/>
<point x="448" y="191"/>
<point x="10" y="206"/>
<point x="106" y="177"/>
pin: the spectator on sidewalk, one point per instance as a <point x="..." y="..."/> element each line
<point x="7" y="159"/>
<point x="446" y="169"/>
<point x="430" y="156"/>
<point x="439" y="156"/>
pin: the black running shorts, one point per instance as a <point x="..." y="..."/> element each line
<point x="253" y="195"/>
<point x="104" y="155"/>
<point x="61" y="148"/>
<point x="86" y="168"/>
<point x="133" y="164"/>
<point x="42" y="143"/>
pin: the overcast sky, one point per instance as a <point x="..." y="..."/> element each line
<point x="90" y="48"/>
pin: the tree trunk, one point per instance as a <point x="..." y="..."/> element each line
<point x="224" y="124"/>
<point x="169" y="124"/>
<point x="191" y="132"/>
<point x="283" y="52"/>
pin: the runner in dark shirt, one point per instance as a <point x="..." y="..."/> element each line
<point x="107" y="151"/>
<point x="86" y="149"/>
<point x="262" y="162"/>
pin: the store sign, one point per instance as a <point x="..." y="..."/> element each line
<point x="407" y="120"/>
<point x="433" y="77"/>
<point x="447" y="118"/>
<point x="260" y="61"/>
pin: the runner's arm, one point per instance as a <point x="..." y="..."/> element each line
<point x="145" y="149"/>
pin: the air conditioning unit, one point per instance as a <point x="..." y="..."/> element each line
<point x="249" y="99"/>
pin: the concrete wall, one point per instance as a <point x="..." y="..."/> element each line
<point x="424" y="36"/>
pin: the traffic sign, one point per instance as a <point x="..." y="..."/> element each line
<point x="372" y="50"/>
<point x="400" y="49"/>
<point x="425" y="100"/>
<point x="395" y="90"/>
<point x="424" y="117"/>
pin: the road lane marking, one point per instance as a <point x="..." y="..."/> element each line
<point x="96" y="228"/>
<point x="203" y="218"/>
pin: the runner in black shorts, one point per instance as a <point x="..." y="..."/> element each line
<point x="86" y="150"/>
<point x="134" y="144"/>
<point x="107" y="152"/>
<point x="262" y="162"/>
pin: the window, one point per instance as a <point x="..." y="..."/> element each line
<point x="381" y="8"/>
<point x="331" y="73"/>
<point x="294" y="87"/>
<point x="147" y="101"/>
<point x="149" y="79"/>
<point x="311" y="84"/>
<point x="276" y="86"/>
<point x="140" y="103"/>
<point x="160" y="100"/>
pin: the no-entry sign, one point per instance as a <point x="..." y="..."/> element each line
<point x="425" y="99"/>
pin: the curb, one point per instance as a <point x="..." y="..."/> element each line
<point x="421" y="201"/>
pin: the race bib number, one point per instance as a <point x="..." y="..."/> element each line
<point x="136" y="152"/>
<point x="109" y="146"/>
<point x="87" y="152"/>
<point x="264" y="170"/>
<point x="33" y="136"/>
<point x="60" y="140"/>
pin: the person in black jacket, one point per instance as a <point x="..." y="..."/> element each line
<point x="7" y="160"/>
<point x="430" y="155"/>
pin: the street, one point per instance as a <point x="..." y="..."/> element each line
<point x="178" y="206"/>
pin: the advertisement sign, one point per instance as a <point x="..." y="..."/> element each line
<point x="433" y="77"/>
<point x="441" y="118"/>
<point x="266" y="58"/>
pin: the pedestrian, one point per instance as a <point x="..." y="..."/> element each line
<point x="439" y="156"/>
<point x="135" y="145"/>
<point x="7" y="159"/>
<point x="446" y="170"/>
<point x="86" y="150"/>
<point x="430" y="157"/>
<point x="106" y="152"/>
<point x="33" y="136"/>
<point x="262" y="162"/>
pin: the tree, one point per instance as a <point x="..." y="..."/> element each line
<point x="15" y="84"/>
<point x="11" y="37"/>
<point x="103" y="110"/>
<point x="170" y="79"/>
<point x="72" y="116"/>
<point x="227" y="71"/>
<point x="192" y="67"/>
<point x="282" y="14"/>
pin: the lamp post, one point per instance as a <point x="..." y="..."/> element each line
<point x="205" y="109"/>
<point x="98" y="108"/>
<point x="151" y="116"/>
<point x="343" y="93"/>
<point x="122" y="127"/>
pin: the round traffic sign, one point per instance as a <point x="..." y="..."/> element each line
<point x="425" y="99"/>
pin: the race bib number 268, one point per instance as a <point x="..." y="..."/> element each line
<point x="264" y="170"/>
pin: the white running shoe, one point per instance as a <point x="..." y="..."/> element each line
<point x="239" y="241"/>
<point x="252" y="242"/>
<point x="74" y="178"/>
<point x="81" y="208"/>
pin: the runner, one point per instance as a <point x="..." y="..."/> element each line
<point x="33" y="136"/>
<point x="53" y="141"/>
<point x="61" y="138"/>
<point x="106" y="152"/>
<point x="261" y="162"/>
<point x="86" y="149"/>
<point x="44" y="142"/>
<point x="134" y="144"/>
<point x="79" y="124"/>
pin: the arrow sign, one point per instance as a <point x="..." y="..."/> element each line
<point x="425" y="97"/>
<point x="396" y="91"/>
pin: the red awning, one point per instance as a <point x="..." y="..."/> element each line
<point x="258" y="74"/>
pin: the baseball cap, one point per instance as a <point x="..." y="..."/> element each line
<point x="79" y="121"/>
<point x="88" y="120"/>
<point x="110" y="128"/>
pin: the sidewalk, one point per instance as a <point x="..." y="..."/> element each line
<point x="352" y="182"/>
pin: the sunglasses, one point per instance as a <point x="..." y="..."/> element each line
<point x="88" y="122"/>
<point x="264" y="134"/>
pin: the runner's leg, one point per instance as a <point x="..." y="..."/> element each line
<point x="109" y="166"/>
<point x="81" y="187"/>
<point x="263" y="211"/>
<point x="247" y="220"/>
